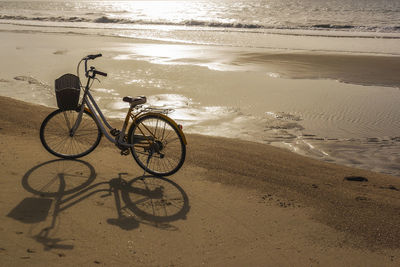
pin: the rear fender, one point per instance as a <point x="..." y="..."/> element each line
<point x="169" y="120"/>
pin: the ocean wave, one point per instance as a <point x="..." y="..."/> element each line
<point x="200" y="23"/>
<point x="52" y="19"/>
<point x="330" y="26"/>
<point x="105" y="19"/>
<point x="222" y="24"/>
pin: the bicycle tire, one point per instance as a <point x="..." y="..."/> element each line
<point x="162" y="156"/>
<point x="56" y="139"/>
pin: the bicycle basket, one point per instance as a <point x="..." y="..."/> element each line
<point x="67" y="89"/>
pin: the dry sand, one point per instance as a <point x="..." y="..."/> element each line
<point x="234" y="203"/>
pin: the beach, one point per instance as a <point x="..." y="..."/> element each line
<point x="293" y="153"/>
<point x="234" y="202"/>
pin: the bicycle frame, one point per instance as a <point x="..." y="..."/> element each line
<point x="101" y="121"/>
<point x="98" y="116"/>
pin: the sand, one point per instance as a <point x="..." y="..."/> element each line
<point x="233" y="203"/>
<point x="348" y="68"/>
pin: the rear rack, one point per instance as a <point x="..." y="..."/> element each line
<point x="164" y="111"/>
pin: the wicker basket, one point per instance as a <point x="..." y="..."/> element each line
<point x="67" y="89"/>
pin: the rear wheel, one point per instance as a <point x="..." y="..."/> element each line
<point x="158" y="146"/>
<point x="56" y="136"/>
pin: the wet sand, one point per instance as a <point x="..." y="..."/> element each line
<point x="233" y="203"/>
<point x="288" y="99"/>
<point x="348" y="68"/>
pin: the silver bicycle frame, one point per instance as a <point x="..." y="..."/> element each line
<point x="99" y="118"/>
<point x="100" y="121"/>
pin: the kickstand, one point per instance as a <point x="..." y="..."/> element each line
<point x="147" y="162"/>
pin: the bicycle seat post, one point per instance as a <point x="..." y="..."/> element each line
<point x="133" y="101"/>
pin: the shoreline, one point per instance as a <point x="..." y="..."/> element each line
<point x="268" y="197"/>
<point x="294" y="34"/>
<point x="332" y="121"/>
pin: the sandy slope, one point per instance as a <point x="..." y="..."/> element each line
<point x="233" y="203"/>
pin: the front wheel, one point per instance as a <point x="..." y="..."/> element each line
<point x="158" y="146"/>
<point x="57" y="137"/>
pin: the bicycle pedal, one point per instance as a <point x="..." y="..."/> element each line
<point x="125" y="152"/>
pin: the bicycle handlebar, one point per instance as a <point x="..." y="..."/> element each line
<point x="100" y="73"/>
<point x="91" y="57"/>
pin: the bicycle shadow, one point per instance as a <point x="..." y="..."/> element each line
<point x="151" y="200"/>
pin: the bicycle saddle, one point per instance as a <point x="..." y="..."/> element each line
<point x="135" y="100"/>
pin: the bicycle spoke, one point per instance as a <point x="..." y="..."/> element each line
<point x="57" y="139"/>
<point x="169" y="133"/>
<point x="67" y="121"/>
<point x="166" y="149"/>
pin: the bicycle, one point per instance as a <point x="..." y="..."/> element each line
<point x="156" y="142"/>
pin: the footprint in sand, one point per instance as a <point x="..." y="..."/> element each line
<point x="60" y="52"/>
